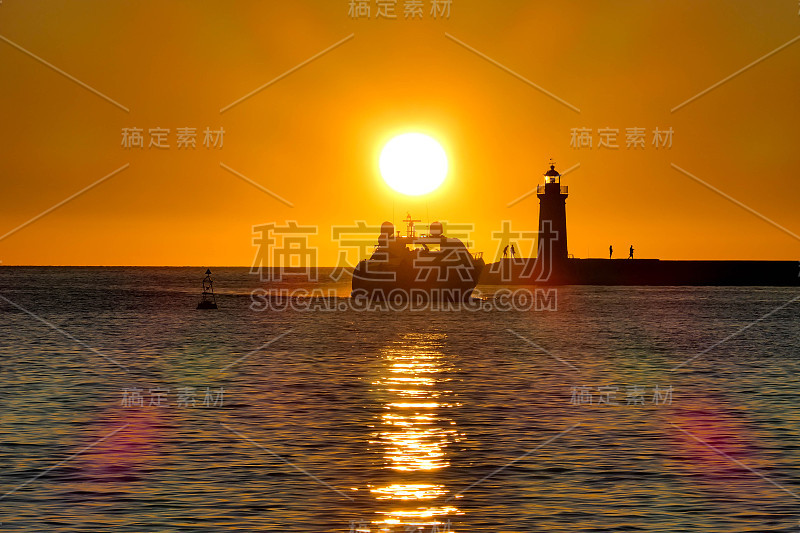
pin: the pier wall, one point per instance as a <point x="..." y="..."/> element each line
<point x="522" y="271"/>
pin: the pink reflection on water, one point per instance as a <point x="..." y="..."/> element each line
<point x="120" y="457"/>
<point x="716" y="471"/>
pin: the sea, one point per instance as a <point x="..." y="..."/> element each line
<point x="585" y="409"/>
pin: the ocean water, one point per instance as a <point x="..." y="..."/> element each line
<point x="623" y="409"/>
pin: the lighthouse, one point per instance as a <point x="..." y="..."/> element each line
<point x="552" y="242"/>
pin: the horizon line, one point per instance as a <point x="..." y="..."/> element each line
<point x="351" y="268"/>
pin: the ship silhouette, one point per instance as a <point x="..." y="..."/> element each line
<point x="430" y="266"/>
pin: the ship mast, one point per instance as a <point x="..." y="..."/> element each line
<point x="410" y="233"/>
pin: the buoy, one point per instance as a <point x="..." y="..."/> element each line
<point x="208" y="300"/>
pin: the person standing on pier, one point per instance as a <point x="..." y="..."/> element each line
<point x="631" y="256"/>
<point x="610" y="251"/>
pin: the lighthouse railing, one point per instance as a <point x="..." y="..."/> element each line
<point x="540" y="189"/>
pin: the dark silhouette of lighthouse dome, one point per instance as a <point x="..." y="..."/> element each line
<point x="551" y="175"/>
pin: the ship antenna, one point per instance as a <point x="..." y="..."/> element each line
<point x="427" y="214"/>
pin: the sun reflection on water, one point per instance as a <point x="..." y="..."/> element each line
<point x="415" y="433"/>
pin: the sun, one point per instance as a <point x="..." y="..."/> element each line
<point x="413" y="164"/>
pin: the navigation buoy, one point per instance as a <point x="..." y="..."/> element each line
<point x="208" y="300"/>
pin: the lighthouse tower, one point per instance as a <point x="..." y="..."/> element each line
<point x="552" y="249"/>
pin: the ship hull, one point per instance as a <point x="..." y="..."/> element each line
<point x="380" y="281"/>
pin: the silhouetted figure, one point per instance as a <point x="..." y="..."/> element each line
<point x="505" y="251"/>
<point x="631" y="256"/>
<point x="512" y="251"/>
<point x="610" y="252"/>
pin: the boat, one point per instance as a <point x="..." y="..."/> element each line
<point x="427" y="266"/>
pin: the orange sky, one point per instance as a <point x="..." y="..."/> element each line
<point x="313" y="137"/>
